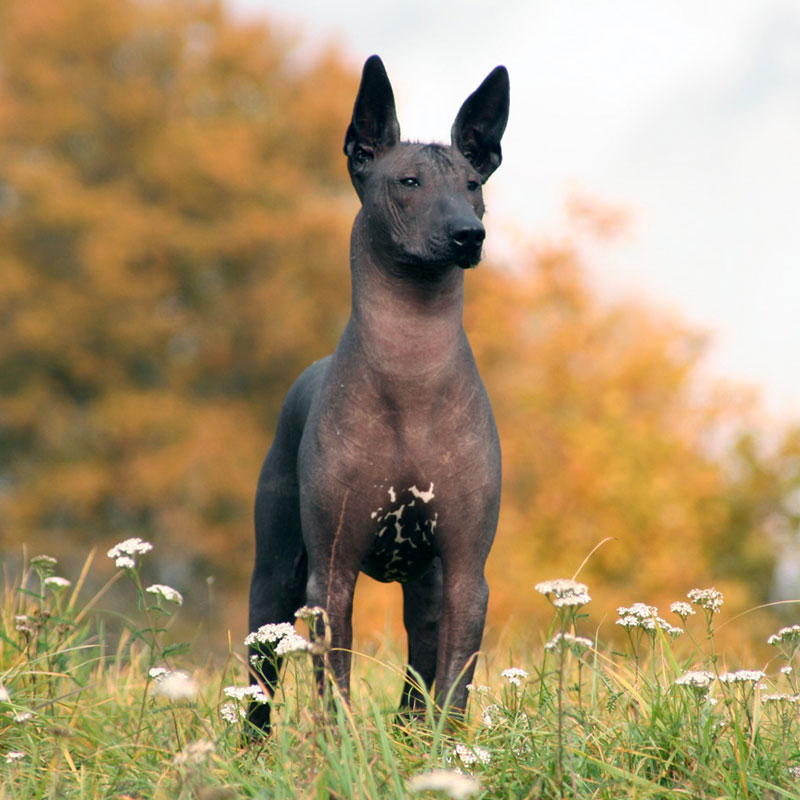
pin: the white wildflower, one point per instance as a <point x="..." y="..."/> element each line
<point x="5" y="697"/>
<point x="452" y="783"/>
<point x="177" y="686"/>
<point x="269" y="634"/>
<point x="254" y="692"/>
<point x="231" y="713"/>
<point x="577" y="644"/>
<point x="645" y="617"/>
<point x="480" y="689"/>
<point x="24" y="624"/>
<point x="565" y="592"/>
<point x="23" y="716"/>
<point x="708" y="599"/>
<point x="194" y="754"/>
<point x="786" y="670"/>
<point x="157" y="673"/>
<point x="490" y="715"/>
<point x="167" y="592"/>
<point x="794" y="772"/>
<point x="56" y="583"/>
<point x="780" y="698"/>
<point x="44" y="562"/>
<point x="291" y="644"/>
<point x="309" y="613"/>
<point x="699" y="680"/>
<point x="472" y="755"/>
<point x="790" y="636"/>
<point x="14" y="755"/>
<point x="682" y="609"/>
<point x="742" y="676"/>
<point x="124" y="553"/>
<point x="514" y="675"/>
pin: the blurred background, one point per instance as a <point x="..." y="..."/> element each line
<point x="174" y="223"/>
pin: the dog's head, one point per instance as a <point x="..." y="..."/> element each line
<point x="424" y="203"/>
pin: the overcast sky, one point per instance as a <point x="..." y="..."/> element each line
<point x="684" y="112"/>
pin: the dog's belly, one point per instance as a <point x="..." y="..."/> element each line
<point x="404" y="530"/>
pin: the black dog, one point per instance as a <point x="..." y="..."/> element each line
<point x="386" y="458"/>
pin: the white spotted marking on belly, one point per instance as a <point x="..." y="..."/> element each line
<point x="426" y="497"/>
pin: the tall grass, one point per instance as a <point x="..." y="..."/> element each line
<point x="659" y="718"/>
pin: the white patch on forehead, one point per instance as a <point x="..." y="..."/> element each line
<point x="392" y="495"/>
<point x="426" y="497"/>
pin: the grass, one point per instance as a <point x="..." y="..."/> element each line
<point x="573" y="719"/>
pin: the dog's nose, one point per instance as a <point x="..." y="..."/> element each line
<point x="468" y="235"/>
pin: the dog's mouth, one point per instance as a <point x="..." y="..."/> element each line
<point x="470" y="260"/>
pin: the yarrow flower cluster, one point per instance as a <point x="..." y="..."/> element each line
<point x="309" y="613"/>
<point x="194" y="754"/>
<point x="125" y="552"/>
<point x="56" y="583"/>
<point x="786" y="636"/>
<point x="742" y="676"/>
<point x="490" y="715"/>
<point x="24" y="624"/>
<point x="454" y="784"/>
<point x="167" y="592"/>
<point x="252" y="692"/>
<point x="682" y="609"/>
<point x="708" y="599"/>
<point x="280" y="635"/>
<point x="231" y="713"/>
<point x="472" y="755"/>
<point x="176" y="686"/>
<point x="14" y="755"/>
<point x="577" y="644"/>
<point x="514" y="675"/>
<point x="698" y="680"/>
<point x="646" y="618"/>
<point x="43" y="564"/>
<point x="563" y="592"/>
<point x="780" y="698"/>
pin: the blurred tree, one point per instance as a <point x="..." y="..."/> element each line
<point x="173" y="247"/>
<point x="174" y="217"/>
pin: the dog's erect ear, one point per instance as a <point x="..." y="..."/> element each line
<point x="481" y="122"/>
<point x="374" y="128"/>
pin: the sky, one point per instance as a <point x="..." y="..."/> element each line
<point x="685" y="113"/>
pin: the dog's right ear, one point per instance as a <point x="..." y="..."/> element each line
<point x="374" y="128"/>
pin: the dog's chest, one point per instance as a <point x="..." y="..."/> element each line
<point x="403" y="532"/>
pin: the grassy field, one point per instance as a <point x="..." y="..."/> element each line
<point x="657" y="718"/>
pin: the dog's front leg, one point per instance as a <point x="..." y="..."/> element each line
<point x="332" y="573"/>
<point x="466" y="596"/>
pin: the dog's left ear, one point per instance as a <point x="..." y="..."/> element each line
<point x="481" y="122"/>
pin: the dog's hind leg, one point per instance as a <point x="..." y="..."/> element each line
<point x="422" y="608"/>
<point x="278" y="585"/>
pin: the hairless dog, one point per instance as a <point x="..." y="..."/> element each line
<point x="386" y="458"/>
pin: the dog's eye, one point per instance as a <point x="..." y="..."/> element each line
<point x="473" y="186"/>
<point x="409" y="182"/>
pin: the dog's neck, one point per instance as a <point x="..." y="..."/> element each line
<point x="409" y="326"/>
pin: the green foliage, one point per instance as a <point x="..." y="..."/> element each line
<point x="82" y="719"/>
